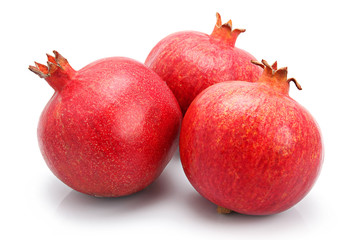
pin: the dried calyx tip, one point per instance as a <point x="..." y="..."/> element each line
<point x="53" y="64"/>
<point x="281" y="71"/>
<point x="266" y="64"/>
<point x="57" y="72"/>
<point x="224" y="32"/>
<point x="228" y="24"/>
<point x="37" y="71"/>
<point x="296" y="83"/>
<point x="258" y="63"/>
<point x="222" y="210"/>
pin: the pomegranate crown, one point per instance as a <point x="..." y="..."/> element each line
<point x="225" y="32"/>
<point x="56" y="72"/>
<point x="280" y="75"/>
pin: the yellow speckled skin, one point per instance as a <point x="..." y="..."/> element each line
<point x="249" y="147"/>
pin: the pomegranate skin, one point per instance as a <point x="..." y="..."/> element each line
<point x="249" y="147"/>
<point x="110" y="128"/>
<point x="191" y="61"/>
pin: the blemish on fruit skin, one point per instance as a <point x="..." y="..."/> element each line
<point x="254" y="152"/>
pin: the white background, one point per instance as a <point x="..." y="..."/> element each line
<point x="317" y="40"/>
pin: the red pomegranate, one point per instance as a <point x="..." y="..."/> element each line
<point x="110" y="128"/>
<point x="249" y="147"/>
<point x="191" y="61"/>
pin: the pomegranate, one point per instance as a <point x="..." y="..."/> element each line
<point x="110" y="128"/>
<point x="191" y="61"/>
<point x="249" y="147"/>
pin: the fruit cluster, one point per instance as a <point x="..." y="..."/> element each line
<point x="111" y="128"/>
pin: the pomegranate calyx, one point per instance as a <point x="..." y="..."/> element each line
<point x="57" y="71"/>
<point x="224" y="32"/>
<point x="295" y="82"/>
<point x="222" y="210"/>
<point x="276" y="77"/>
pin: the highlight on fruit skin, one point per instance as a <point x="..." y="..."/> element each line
<point x="110" y="128"/>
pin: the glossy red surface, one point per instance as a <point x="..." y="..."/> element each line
<point x="191" y="61"/>
<point x="249" y="147"/>
<point x="110" y="128"/>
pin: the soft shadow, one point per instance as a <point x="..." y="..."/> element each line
<point x="176" y="156"/>
<point x="54" y="191"/>
<point x="206" y="211"/>
<point x="76" y="205"/>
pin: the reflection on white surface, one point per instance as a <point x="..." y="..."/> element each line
<point x="283" y="222"/>
<point x="81" y="207"/>
<point x="171" y="201"/>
